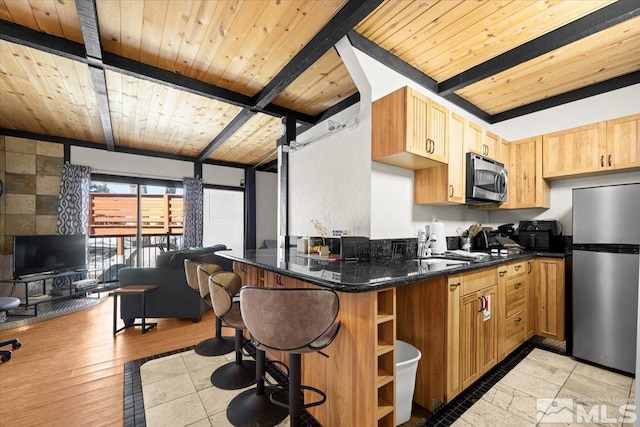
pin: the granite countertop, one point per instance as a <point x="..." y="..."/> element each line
<point x="350" y="276"/>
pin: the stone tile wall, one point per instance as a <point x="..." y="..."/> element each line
<point x="32" y="171"/>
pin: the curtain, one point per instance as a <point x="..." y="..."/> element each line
<point x="192" y="213"/>
<point x="73" y="200"/>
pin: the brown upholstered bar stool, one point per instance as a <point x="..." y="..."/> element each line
<point x="295" y="321"/>
<point x="223" y="286"/>
<point x="218" y="345"/>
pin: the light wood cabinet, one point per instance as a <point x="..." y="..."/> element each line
<point x="472" y="339"/>
<point x="409" y="130"/>
<point x="445" y="184"/>
<point x="483" y="142"/>
<point x="602" y="146"/>
<point x="527" y="188"/>
<point x="623" y="143"/>
<point x="549" y="298"/>
<point x="513" y="294"/>
<point x="531" y="300"/>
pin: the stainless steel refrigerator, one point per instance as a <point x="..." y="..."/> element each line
<point x="606" y="237"/>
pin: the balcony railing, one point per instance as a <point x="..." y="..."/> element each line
<point x="117" y="214"/>
<point x="113" y="229"/>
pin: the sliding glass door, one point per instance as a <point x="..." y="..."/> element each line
<point x="130" y="223"/>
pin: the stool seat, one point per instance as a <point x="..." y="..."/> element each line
<point x="296" y="321"/>
<point x="9" y="303"/>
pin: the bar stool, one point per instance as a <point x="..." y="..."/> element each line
<point x="239" y="374"/>
<point x="6" y="304"/>
<point x="295" y="321"/>
<point x="199" y="280"/>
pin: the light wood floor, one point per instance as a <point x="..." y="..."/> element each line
<point x="69" y="370"/>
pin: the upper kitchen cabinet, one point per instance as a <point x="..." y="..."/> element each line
<point x="603" y="146"/>
<point x="527" y="188"/>
<point x="483" y="142"/>
<point x="623" y="143"/>
<point x="445" y="184"/>
<point x="409" y="130"/>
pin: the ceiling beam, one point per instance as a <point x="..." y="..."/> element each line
<point x="236" y="123"/>
<point x="593" y="23"/>
<point x="88" y="16"/>
<point x="119" y="149"/>
<point x="390" y="60"/>
<point x="336" y="108"/>
<point x="574" y="95"/>
<point x="75" y="51"/>
<point x="342" y="22"/>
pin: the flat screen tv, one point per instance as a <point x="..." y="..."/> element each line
<point x="48" y="253"/>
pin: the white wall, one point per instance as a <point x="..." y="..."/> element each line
<point x="561" y="200"/>
<point x="221" y="175"/>
<point x="266" y="207"/>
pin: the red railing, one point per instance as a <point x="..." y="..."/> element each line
<point x="117" y="214"/>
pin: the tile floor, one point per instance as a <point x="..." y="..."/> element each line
<point x="543" y="388"/>
<point x="548" y="389"/>
<point x="177" y="391"/>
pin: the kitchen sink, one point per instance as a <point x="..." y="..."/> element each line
<point x="435" y="264"/>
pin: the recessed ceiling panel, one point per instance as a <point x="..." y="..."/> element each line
<point x="321" y="86"/>
<point x="599" y="57"/>
<point x="253" y="144"/>
<point x="444" y="38"/>
<point x="238" y="45"/>
<point x="55" y="17"/>
<point x="149" y="116"/>
<point x="47" y="94"/>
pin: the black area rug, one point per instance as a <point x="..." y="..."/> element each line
<point x="50" y="310"/>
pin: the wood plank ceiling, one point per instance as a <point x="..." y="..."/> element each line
<point x="211" y="80"/>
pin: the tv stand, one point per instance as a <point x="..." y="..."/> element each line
<point x="69" y="290"/>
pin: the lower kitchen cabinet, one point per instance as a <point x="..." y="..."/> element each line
<point x="472" y="337"/>
<point x="549" y="298"/>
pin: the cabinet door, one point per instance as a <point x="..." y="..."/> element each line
<point x="623" y="142"/>
<point x="574" y="151"/>
<point x="469" y="339"/>
<point x="550" y="298"/>
<point x="488" y="331"/>
<point x="437" y="131"/>
<point x="474" y="138"/>
<point x="501" y="310"/>
<point x="531" y="299"/>
<point x="491" y="145"/>
<point x="527" y="188"/>
<point x="456" y="165"/>
<point x="418" y="112"/>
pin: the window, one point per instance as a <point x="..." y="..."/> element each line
<point x="130" y="222"/>
<point x="224" y="218"/>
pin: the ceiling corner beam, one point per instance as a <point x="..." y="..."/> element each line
<point x="342" y="22"/>
<point x="574" y="95"/>
<point x="593" y="23"/>
<point x="54" y="45"/>
<point x="88" y="16"/>
<point x="236" y="123"/>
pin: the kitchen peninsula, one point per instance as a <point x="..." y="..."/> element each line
<point x="433" y="305"/>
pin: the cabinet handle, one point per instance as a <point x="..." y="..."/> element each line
<point x="517" y="285"/>
<point x="602" y="161"/>
<point x="243" y="268"/>
<point x="517" y="267"/>
<point x="451" y="187"/>
<point x="502" y="273"/>
<point x="481" y="304"/>
<point x="609" y="159"/>
<point x="279" y="279"/>
<point x="518" y="320"/>
<point x="428" y="145"/>
<point x="454" y="285"/>
<point x="530" y="267"/>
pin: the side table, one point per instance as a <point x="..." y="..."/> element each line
<point x="133" y="290"/>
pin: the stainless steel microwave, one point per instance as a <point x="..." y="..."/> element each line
<point x="487" y="180"/>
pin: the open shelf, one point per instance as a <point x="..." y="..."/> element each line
<point x="385" y="351"/>
<point x="384" y="377"/>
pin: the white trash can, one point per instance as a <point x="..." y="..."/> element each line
<point x="407" y="358"/>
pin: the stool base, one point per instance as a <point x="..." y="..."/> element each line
<point x="233" y="376"/>
<point x="216" y="346"/>
<point x="251" y="409"/>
